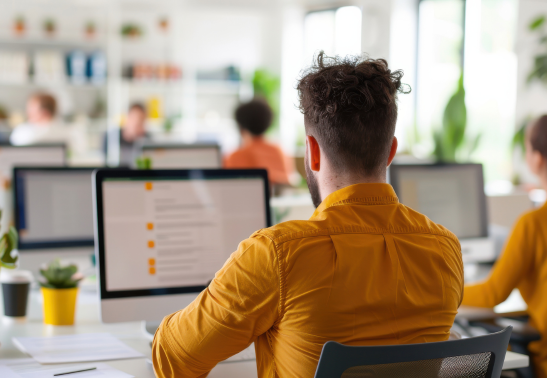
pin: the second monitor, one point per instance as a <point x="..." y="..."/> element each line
<point x="451" y="195"/>
<point x="183" y="156"/>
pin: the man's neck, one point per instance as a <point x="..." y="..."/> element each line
<point x="331" y="183"/>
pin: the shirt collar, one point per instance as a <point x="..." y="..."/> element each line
<point x="363" y="194"/>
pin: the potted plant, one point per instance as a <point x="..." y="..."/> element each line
<point x="60" y="290"/>
<point x="19" y="26"/>
<point x="49" y="27"/>
<point x="8" y="243"/>
<point x="90" y="29"/>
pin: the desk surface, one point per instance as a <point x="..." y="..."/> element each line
<point x="87" y="321"/>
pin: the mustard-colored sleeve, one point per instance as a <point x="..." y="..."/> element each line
<point x="240" y="304"/>
<point x="514" y="264"/>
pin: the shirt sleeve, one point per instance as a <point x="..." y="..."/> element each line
<point x="240" y="304"/>
<point x="514" y="264"/>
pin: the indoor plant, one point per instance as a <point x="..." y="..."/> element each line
<point x="60" y="290"/>
<point x="8" y="243"/>
<point x="451" y="140"/>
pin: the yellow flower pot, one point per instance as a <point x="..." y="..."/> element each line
<point x="59" y="305"/>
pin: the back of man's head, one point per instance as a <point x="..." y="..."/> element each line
<point x="254" y="116"/>
<point x="350" y="108"/>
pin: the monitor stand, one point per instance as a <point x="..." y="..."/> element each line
<point x="149" y="329"/>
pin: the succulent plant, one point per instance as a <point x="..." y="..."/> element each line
<point x="60" y="277"/>
<point x="8" y="243"/>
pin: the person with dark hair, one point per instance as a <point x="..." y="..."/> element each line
<point x="131" y="135"/>
<point x="41" y="126"/>
<point x="254" y="118"/>
<point x="523" y="263"/>
<point x="363" y="270"/>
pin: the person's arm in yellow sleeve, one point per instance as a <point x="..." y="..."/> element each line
<point x="241" y="303"/>
<point x="514" y="263"/>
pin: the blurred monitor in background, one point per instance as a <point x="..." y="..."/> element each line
<point x="254" y="118"/>
<point x="132" y="135"/>
<point x="41" y="126"/>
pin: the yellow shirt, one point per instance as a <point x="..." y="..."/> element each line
<point x="522" y="265"/>
<point x="364" y="270"/>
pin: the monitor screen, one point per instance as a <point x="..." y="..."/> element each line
<point x="449" y="194"/>
<point x="53" y="207"/>
<point x="183" y="156"/>
<point x="45" y="155"/>
<point x="162" y="232"/>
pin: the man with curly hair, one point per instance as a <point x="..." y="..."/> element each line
<point x="363" y="270"/>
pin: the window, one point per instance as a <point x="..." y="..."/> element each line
<point x="456" y="35"/>
<point x="335" y="31"/>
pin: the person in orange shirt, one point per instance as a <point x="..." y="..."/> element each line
<point x="254" y="118"/>
<point x="523" y="263"/>
<point x="363" y="270"/>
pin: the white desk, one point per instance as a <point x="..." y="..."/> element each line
<point x="87" y="321"/>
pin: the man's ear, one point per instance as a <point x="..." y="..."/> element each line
<point x="314" y="153"/>
<point x="393" y="151"/>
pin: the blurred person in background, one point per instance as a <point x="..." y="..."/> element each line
<point x="254" y="118"/>
<point x="132" y="135"/>
<point x="523" y="263"/>
<point x="41" y="125"/>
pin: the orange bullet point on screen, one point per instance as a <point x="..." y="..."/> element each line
<point x="151" y="261"/>
<point x="152" y="270"/>
<point x="148" y="186"/>
<point x="150" y="226"/>
<point x="151" y="244"/>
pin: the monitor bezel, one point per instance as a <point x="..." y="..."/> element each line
<point x="182" y="146"/>
<point x="394" y="170"/>
<point x="100" y="175"/>
<point x="45" y="245"/>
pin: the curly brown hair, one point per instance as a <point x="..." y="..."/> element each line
<point x="350" y="107"/>
<point x="254" y="116"/>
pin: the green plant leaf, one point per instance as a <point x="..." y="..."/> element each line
<point x="8" y="243"/>
<point x="60" y="277"/>
<point x="451" y="136"/>
<point x="537" y="22"/>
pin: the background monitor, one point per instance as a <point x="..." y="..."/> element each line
<point x="50" y="155"/>
<point x="162" y="235"/>
<point x="53" y="207"/>
<point x="183" y="156"/>
<point x="449" y="194"/>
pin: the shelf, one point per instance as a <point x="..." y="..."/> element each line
<point x="83" y="87"/>
<point x="29" y="43"/>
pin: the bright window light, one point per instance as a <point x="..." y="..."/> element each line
<point x="335" y="31"/>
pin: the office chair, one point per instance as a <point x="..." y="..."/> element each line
<point x="521" y="337"/>
<point x="477" y="357"/>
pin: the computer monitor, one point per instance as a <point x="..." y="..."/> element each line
<point x="53" y="215"/>
<point x="160" y="235"/>
<point x="51" y="155"/>
<point x="37" y="155"/>
<point x="183" y="156"/>
<point x="53" y="207"/>
<point x="451" y="195"/>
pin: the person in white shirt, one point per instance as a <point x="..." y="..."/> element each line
<point x="41" y="127"/>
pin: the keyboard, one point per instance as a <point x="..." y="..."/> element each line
<point x="245" y="355"/>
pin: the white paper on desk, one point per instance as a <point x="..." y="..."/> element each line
<point x="75" y="348"/>
<point x="29" y="368"/>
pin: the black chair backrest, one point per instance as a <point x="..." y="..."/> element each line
<point x="476" y="357"/>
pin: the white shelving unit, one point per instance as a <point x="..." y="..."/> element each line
<point x="203" y="108"/>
